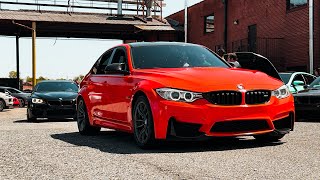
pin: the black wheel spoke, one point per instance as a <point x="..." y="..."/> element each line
<point x="141" y="125"/>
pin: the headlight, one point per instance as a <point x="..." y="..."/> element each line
<point x="178" y="95"/>
<point x="37" y="101"/>
<point x="281" y="93"/>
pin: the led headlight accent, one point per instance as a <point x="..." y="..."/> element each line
<point x="178" y="95"/>
<point x="282" y="92"/>
<point x="37" y="101"/>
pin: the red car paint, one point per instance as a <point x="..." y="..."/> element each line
<point x="109" y="97"/>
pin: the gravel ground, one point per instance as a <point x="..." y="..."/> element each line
<point x="55" y="150"/>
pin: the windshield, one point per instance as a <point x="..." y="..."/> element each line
<point x="315" y="84"/>
<point x="57" y="87"/>
<point x="174" y="56"/>
<point x="285" y="77"/>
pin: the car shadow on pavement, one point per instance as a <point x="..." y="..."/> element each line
<point x="123" y="143"/>
<point x="44" y="120"/>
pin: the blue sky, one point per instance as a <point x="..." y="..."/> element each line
<point x="62" y="58"/>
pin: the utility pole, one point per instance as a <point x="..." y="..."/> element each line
<point x="311" y="36"/>
<point x="186" y="21"/>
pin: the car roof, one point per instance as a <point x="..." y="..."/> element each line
<point x="55" y="81"/>
<point x="5" y="87"/>
<point x="140" y="44"/>
<point x="294" y="73"/>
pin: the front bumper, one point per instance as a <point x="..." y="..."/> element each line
<point x="208" y="119"/>
<point x="51" y="111"/>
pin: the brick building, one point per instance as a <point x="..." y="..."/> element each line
<point x="277" y="29"/>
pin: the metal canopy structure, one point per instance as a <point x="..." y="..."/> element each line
<point x="79" y="25"/>
<point x="133" y="20"/>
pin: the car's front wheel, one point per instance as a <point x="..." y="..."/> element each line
<point x="143" y="123"/>
<point x="30" y="118"/>
<point x="2" y="105"/>
<point x="21" y="102"/>
<point x="83" y="120"/>
<point x="269" y="137"/>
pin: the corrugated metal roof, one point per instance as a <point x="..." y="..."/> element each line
<point x="74" y="18"/>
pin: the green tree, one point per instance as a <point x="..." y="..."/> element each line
<point x="29" y="79"/>
<point x="12" y="74"/>
<point x="79" y="78"/>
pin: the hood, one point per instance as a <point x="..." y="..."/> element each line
<point x="209" y="79"/>
<point x="55" y="95"/>
<point x="253" y="61"/>
<point x="308" y="92"/>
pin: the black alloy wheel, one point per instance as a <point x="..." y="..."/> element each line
<point x="21" y="102"/>
<point x="2" y="105"/>
<point x="143" y="123"/>
<point x="30" y="118"/>
<point x="83" y="120"/>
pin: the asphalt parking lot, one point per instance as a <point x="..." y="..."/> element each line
<point x="55" y="150"/>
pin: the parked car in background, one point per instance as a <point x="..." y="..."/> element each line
<point x="52" y="99"/>
<point x="16" y="102"/>
<point x="6" y="101"/>
<point x="297" y="81"/>
<point x="22" y="96"/>
<point x="307" y="102"/>
<point x="159" y="90"/>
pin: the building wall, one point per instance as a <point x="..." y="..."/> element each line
<point x="283" y="34"/>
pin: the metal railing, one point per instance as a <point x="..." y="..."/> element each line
<point x="92" y="6"/>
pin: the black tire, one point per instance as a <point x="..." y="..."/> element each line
<point x="143" y="128"/>
<point x="269" y="137"/>
<point x="2" y="105"/>
<point x="21" y="102"/>
<point x="84" y="126"/>
<point x="30" y="118"/>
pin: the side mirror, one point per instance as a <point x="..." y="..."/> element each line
<point x="306" y="86"/>
<point x="116" y="68"/>
<point x="298" y="83"/>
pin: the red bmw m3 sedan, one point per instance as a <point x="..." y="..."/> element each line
<point x="158" y="90"/>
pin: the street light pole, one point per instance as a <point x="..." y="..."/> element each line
<point x="311" y="36"/>
<point x="186" y="21"/>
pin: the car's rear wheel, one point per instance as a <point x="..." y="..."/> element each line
<point x="30" y="118"/>
<point x="21" y="103"/>
<point x="83" y="120"/>
<point x="143" y="123"/>
<point x="2" y="105"/>
<point x="269" y="137"/>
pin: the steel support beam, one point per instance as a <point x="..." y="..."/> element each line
<point x="34" y="30"/>
<point x="18" y="61"/>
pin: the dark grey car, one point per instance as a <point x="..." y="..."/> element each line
<point x="22" y="96"/>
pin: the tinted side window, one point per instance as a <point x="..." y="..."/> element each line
<point x="13" y="90"/>
<point x="309" y="78"/>
<point x="103" y="62"/>
<point x="298" y="77"/>
<point x="119" y="57"/>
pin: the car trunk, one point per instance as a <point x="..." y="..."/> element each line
<point x="253" y="61"/>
